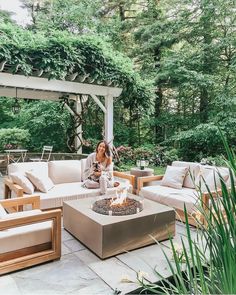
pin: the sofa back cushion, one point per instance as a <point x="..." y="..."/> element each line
<point x="174" y="177"/>
<point x="210" y="177"/>
<point x="41" y="167"/>
<point x="65" y="171"/>
<point x="193" y="170"/>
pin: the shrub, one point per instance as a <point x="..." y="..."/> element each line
<point x="13" y="138"/>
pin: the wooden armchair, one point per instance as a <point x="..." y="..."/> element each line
<point x="30" y="237"/>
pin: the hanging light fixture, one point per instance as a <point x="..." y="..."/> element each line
<point x="16" y="106"/>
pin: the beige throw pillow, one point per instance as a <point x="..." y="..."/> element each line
<point x="210" y="177"/>
<point x="174" y="177"/>
<point x="191" y="178"/>
<point x="42" y="182"/>
<point x="23" y="181"/>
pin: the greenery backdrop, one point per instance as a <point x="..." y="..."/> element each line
<point x="174" y="59"/>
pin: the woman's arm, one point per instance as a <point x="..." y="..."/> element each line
<point x="88" y="166"/>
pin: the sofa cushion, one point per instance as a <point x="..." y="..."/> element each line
<point x="41" y="167"/>
<point x="191" y="178"/>
<point x="210" y="177"/>
<point x="42" y="182"/>
<point x="25" y="236"/>
<point x="83" y="165"/>
<point x="65" y="171"/>
<point x="71" y="191"/>
<point x="171" y="197"/>
<point x="174" y="177"/>
<point x="3" y="213"/>
<point x="20" y="179"/>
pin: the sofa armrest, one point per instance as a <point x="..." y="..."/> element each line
<point x="33" y="200"/>
<point x="9" y="186"/>
<point x="124" y="175"/>
<point x="142" y="180"/>
<point x="54" y="215"/>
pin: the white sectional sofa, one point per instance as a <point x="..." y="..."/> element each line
<point x="192" y="192"/>
<point x="67" y="179"/>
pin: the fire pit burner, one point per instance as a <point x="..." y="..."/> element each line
<point x="128" y="207"/>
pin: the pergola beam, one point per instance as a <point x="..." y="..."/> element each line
<point x="21" y="81"/>
<point x="32" y="94"/>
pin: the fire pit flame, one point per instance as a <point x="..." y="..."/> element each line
<point x="120" y="198"/>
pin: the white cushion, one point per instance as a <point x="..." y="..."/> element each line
<point x="174" y="177"/>
<point x="71" y="191"/>
<point x="65" y="171"/>
<point x="210" y="177"/>
<point x="41" y="167"/>
<point x="191" y="178"/>
<point x="83" y="165"/>
<point x="41" y="182"/>
<point x="25" y="236"/>
<point x="171" y="197"/>
<point x="3" y="213"/>
<point x="20" y="179"/>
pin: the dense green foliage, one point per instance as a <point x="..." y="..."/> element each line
<point x="184" y="53"/>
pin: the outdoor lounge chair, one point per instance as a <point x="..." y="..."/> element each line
<point x="45" y="156"/>
<point x="27" y="237"/>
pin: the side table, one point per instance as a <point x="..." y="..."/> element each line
<point x="140" y="173"/>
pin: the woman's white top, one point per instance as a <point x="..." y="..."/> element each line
<point x="108" y="169"/>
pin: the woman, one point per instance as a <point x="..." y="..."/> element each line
<point x="99" y="167"/>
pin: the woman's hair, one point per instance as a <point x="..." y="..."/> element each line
<point x="107" y="148"/>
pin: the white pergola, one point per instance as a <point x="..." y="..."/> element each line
<point x="40" y="88"/>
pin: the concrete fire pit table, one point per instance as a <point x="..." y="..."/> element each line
<point x="110" y="235"/>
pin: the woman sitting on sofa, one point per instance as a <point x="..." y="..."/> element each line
<point x="99" y="167"/>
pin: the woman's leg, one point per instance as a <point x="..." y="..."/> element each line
<point x="91" y="184"/>
<point x="104" y="184"/>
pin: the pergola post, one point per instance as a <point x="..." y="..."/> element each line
<point x="109" y="119"/>
<point x="78" y="146"/>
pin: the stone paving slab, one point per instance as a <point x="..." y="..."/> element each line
<point x="113" y="271"/>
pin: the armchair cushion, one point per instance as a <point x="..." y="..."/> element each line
<point x="174" y="177"/>
<point x="41" y="182"/>
<point x="25" y="236"/>
<point x="191" y="178"/>
<point x="20" y="179"/>
<point x="171" y="197"/>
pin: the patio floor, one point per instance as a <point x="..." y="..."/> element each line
<point x="79" y="271"/>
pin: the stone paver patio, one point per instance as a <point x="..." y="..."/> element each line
<point x="79" y="271"/>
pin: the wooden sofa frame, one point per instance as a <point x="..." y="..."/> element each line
<point x="194" y="218"/>
<point x="22" y="258"/>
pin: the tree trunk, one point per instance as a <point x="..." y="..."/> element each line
<point x="159" y="98"/>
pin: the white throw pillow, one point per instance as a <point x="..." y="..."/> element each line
<point x="174" y="176"/>
<point x="42" y="182"/>
<point x="191" y="179"/>
<point x="210" y="177"/>
<point x="23" y="181"/>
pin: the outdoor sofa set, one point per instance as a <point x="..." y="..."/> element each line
<point x="29" y="235"/>
<point x="186" y="184"/>
<point x="34" y="236"/>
